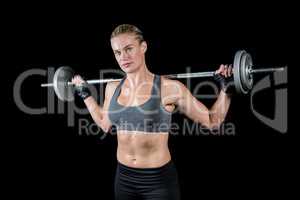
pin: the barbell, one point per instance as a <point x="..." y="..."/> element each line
<point x="242" y="76"/>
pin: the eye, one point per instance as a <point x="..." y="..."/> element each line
<point x="117" y="53"/>
<point x="128" y="49"/>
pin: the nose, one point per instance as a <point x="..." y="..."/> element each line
<point x="124" y="56"/>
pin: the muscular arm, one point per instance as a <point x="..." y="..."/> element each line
<point x="198" y="112"/>
<point x="219" y="110"/>
<point x="100" y="113"/>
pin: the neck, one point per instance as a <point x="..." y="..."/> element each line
<point x="140" y="76"/>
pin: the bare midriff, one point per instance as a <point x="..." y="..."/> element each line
<point x="143" y="149"/>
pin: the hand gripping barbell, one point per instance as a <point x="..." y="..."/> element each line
<point x="242" y="75"/>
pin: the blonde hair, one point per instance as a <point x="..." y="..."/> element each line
<point x="128" y="28"/>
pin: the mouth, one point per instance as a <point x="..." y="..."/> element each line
<point x="125" y="65"/>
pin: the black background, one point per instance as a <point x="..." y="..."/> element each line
<point x="46" y="158"/>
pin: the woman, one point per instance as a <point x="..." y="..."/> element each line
<point x="140" y="105"/>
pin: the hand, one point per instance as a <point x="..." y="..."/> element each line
<point x="224" y="76"/>
<point x="81" y="87"/>
<point x="77" y="80"/>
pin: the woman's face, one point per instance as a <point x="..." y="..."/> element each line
<point x="129" y="52"/>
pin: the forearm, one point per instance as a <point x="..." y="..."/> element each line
<point x="97" y="112"/>
<point x="219" y="110"/>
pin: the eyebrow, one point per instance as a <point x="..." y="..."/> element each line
<point x="128" y="45"/>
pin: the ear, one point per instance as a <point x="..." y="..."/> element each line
<point x="144" y="46"/>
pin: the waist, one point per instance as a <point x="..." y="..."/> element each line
<point x="157" y="170"/>
<point x="147" y="179"/>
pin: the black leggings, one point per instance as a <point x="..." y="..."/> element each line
<point x="148" y="183"/>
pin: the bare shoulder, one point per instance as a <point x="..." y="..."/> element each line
<point x="172" y="90"/>
<point x="171" y="86"/>
<point x="111" y="87"/>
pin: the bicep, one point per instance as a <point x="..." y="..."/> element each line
<point x="191" y="106"/>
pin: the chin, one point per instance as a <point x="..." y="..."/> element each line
<point x="130" y="69"/>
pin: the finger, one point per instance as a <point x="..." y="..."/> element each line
<point x="80" y="79"/>
<point x="227" y="71"/>
<point x="77" y="77"/>
<point x="76" y="80"/>
<point x="224" y="71"/>
<point x="221" y="68"/>
<point x="230" y="71"/>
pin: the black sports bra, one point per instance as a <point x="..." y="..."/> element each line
<point x="150" y="116"/>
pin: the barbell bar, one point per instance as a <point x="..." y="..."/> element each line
<point x="95" y="81"/>
<point x="242" y="76"/>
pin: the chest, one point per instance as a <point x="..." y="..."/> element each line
<point x="137" y="96"/>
